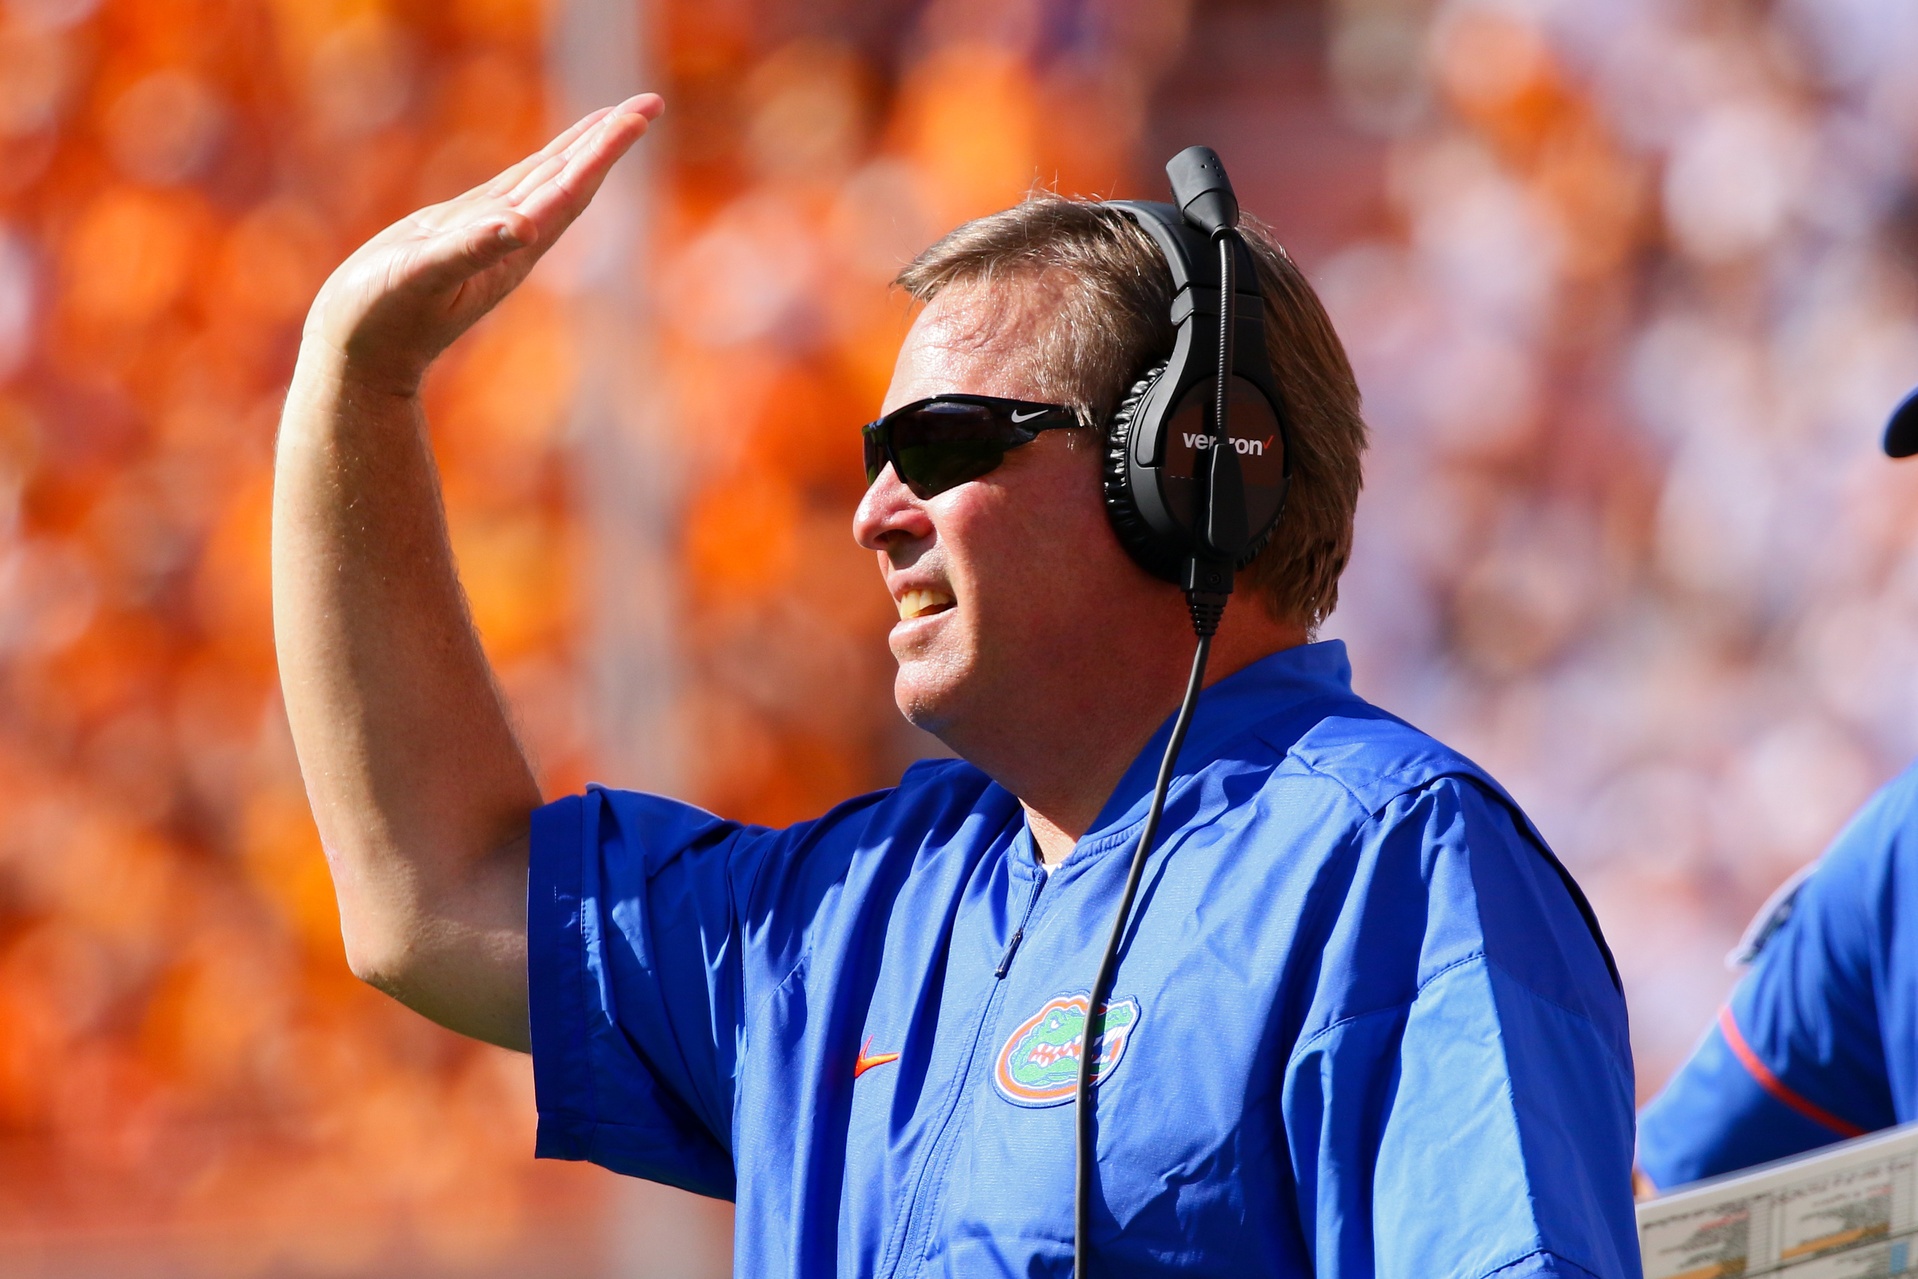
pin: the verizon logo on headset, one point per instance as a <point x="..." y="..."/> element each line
<point x="1254" y="448"/>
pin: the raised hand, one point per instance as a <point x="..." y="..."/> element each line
<point x="422" y="794"/>
<point x="407" y="293"/>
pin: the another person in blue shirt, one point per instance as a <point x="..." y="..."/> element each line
<point x="1363" y="1023"/>
<point x="1819" y="1041"/>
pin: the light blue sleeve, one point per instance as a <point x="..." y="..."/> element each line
<point x="1799" y="1057"/>
<point x="1461" y="1104"/>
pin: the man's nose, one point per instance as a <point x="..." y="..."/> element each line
<point x="889" y="514"/>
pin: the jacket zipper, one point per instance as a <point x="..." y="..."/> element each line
<point x="1012" y="948"/>
<point x="909" y="1235"/>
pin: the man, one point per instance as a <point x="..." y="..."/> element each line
<point x="1819" y="1041"/>
<point x="1362" y="1023"/>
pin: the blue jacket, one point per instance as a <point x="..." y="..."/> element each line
<point x="1364" y="1024"/>
<point x="1820" y="1039"/>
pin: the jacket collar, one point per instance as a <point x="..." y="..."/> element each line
<point x="1265" y="690"/>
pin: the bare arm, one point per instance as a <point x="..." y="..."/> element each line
<point x="421" y="793"/>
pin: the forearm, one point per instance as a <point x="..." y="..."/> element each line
<point x="422" y="796"/>
<point x="421" y="793"/>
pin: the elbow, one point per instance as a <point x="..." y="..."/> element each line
<point x="377" y="957"/>
<point x="381" y="920"/>
<point x="470" y="984"/>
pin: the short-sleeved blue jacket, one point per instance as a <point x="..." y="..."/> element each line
<point x="1363" y="1024"/>
<point x="1820" y="1039"/>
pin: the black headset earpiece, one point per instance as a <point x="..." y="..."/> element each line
<point x="1149" y="550"/>
<point x="1158" y="555"/>
<point x="1178" y="506"/>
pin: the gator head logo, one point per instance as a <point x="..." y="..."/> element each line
<point x="1039" y="1065"/>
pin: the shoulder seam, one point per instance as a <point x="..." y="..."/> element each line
<point x="1481" y="783"/>
<point x="749" y="1015"/>
<point x="865" y="803"/>
<point x="1393" y="1007"/>
<point x="878" y="799"/>
<point x="1308" y="766"/>
<point x="1537" y="1252"/>
<point x="1456" y="769"/>
<point x="1423" y="986"/>
<point x="1546" y="999"/>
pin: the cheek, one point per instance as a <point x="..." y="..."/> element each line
<point x="1014" y="555"/>
<point x="995" y="550"/>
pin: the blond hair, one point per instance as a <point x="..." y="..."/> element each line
<point x="1110" y="320"/>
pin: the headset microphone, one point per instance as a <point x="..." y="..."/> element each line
<point x="1202" y="191"/>
<point x="1190" y="499"/>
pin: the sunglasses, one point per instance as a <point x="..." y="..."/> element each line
<point x="944" y="441"/>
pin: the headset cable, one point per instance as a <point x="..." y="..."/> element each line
<point x="1207" y="586"/>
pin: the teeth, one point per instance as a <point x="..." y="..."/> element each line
<point x="918" y="603"/>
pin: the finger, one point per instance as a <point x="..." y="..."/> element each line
<point x="565" y="194"/>
<point x="457" y="253"/>
<point x="647" y="106"/>
<point x="650" y="105"/>
<point x="553" y="163"/>
<point x="549" y="165"/>
<point x="539" y="175"/>
<point x="509" y="178"/>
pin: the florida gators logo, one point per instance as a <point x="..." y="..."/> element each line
<point x="1039" y="1065"/>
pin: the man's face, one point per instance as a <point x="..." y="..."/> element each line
<point x="1007" y="585"/>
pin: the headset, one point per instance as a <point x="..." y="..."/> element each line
<point x="1184" y="504"/>
<point x="1196" y="467"/>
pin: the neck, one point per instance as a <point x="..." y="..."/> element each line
<point x="1067" y="753"/>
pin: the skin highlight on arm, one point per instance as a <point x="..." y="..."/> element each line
<point x="421" y="793"/>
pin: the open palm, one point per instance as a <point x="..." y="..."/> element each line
<point x="407" y="293"/>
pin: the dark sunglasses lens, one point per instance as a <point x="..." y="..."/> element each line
<point x="874" y="437"/>
<point x="944" y="444"/>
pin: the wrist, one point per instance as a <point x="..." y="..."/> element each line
<point x="356" y="346"/>
<point x="329" y="389"/>
<point x="335" y="368"/>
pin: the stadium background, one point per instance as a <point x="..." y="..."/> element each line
<point x="1629" y="288"/>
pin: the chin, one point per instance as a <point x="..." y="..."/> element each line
<point x="931" y="692"/>
<point x="923" y="706"/>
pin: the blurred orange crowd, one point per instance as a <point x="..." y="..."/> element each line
<point x="183" y="1056"/>
<point x="1628" y="293"/>
<point x="180" y="1044"/>
<point x="1650" y="292"/>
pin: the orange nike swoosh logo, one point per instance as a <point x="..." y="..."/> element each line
<point x="866" y="1061"/>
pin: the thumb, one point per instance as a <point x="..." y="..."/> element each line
<point x="467" y="251"/>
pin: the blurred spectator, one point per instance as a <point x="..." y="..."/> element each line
<point x="1646" y="289"/>
<point x="1816" y="1043"/>
<point x="1626" y="286"/>
<point x="183" y="1063"/>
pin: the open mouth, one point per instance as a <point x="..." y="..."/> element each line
<point x="923" y="602"/>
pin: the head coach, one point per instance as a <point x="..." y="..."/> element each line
<point x="1356" y="1021"/>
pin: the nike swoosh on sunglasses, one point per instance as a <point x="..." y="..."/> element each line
<point x="937" y="443"/>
